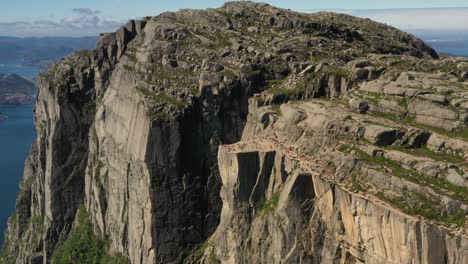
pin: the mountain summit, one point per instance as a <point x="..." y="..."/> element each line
<point x="247" y="134"/>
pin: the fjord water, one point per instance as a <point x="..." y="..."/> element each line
<point x="16" y="135"/>
<point x="17" y="67"/>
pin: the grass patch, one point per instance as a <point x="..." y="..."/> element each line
<point x="440" y="186"/>
<point x="161" y="116"/>
<point x="132" y="57"/>
<point x="114" y="259"/>
<point x="89" y="108"/>
<point x="129" y="68"/>
<point x="318" y="58"/>
<point x="403" y="65"/>
<point x="356" y="185"/>
<point x="163" y="98"/>
<point x="461" y="134"/>
<point x="83" y="246"/>
<point x="426" y="152"/>
<point x="412" y="203"/>
<point x="277" y="109"/>
<point x="424" y="207"/>
<point x="338" y="72"/>
<point x="272" y="83"/>
<point x="337" y="100"/>
<point x="265" y="206"/>
<point x="285" y="91"/>
<point x="4" y="253"/>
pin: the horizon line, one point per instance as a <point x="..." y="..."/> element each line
<point x="385" y="9"/>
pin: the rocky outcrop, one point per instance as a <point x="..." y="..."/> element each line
<point x="288" y="201"/>
<point x="281" y="113"/>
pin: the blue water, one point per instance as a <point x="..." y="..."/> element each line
<point x="451" y="47"/>
<point x="17" y="67"/>
<point x="452" y="51"/>
<point x="16" y="135"/>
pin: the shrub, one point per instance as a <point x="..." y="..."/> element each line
<point x="83" y="246"/>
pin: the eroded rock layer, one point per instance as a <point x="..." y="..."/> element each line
<point x="248" y="134"/>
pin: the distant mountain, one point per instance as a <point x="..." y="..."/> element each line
<point x="14" y="89"/>
<point x="35" y="49"/>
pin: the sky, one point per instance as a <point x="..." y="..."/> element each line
<point x="91" y="17"/>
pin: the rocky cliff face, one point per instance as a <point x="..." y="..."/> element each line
<point x="247" y="134"/>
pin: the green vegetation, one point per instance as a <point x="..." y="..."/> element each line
<point x="89" y="108"/>
<point x="271" y="83"/>
<point x="4" y="257"/>
<point x="28" y="181"/>
<point x="426" y="152"/>
<point x="83" y="246"/>
<point x="440" y="186"/>
<point x="50" y="73"/>
<point x="114" y="259"/>
<point x="337" y="100"/>
<point x="356" y="185"/>
<point x="285" y="91"/>
<point x="416" y="204"/>
<point x="131" y="56"/>
<point x="161" y="116"/>
<point x="229" y="74"/>
<point x="413" y="203"/>
<point x="163" y="98"/>
<point x="299" y="89"/>
<point x="96" y="175"/>
<point x="462" y="133"/>
<point x="84" y="53"/>
<point x="198" y="253"/>
<point x="277" y="109"/>
<point x="42" y="125"/>
<point x="403" y="65"/>
<point x="318" y="58"/>
<point x="372" y="97"/>
<point x="404" y="102"/>
<point x="387" y="116"/>
<point x="308" y="80"/>
<point x="338" y="72"/>
<point x="265" y="206"/>
<point x="129" y="68"/>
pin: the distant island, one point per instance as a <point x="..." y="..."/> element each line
<point x="15" y="89"/>
<point x="36" y="54"/>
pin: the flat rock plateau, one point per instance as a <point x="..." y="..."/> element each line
<point x="248" y="134"/>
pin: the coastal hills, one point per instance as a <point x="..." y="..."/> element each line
<point x="15" y="89"/>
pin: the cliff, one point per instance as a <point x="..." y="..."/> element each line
<point x="247" y="134"/>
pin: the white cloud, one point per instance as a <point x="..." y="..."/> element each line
<point x="86" y="11"/>
<point x="83" y="22"/>
<point x="418" y="18"/>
